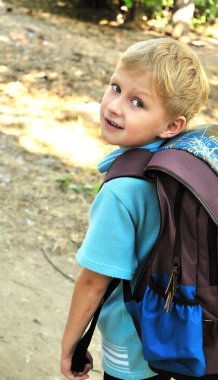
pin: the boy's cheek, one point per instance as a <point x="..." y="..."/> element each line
<point x="101" y="115"/>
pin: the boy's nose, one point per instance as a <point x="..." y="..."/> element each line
<point x="115" y="106"/>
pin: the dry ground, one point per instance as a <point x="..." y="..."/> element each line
<point x="53" y="73"/>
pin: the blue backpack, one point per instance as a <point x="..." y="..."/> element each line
<point x="174" y="305"/>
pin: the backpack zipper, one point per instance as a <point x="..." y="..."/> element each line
<point x="213" y="253"/>
<point x="175" y="276"/>
<point x="172" y="287"/>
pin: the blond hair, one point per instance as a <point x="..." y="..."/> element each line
<point x="177" y="74"/>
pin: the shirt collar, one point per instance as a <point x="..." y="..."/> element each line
<point x="105" y="164"/>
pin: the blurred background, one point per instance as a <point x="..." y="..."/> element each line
<point x="56" y="59"/>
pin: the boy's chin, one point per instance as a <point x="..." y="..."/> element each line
<point x="109" y="141"/>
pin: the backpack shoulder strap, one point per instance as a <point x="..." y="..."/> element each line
<point x="193" y="173"/>
<point x="79" y="358"/>
<point x="192" y="159"/>
<point x="131" y="163"/>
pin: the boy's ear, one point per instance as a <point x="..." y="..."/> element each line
<point x="173" y="128"/>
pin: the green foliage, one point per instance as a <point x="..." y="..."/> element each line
<point x="128" y="3"/>
<point x="205" y="11"/>
<point x="66" y="183"/>
<point x="149" y="5"/>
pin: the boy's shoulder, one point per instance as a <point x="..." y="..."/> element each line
<point x="133" y="194"/>
<point x="128" y="187"/>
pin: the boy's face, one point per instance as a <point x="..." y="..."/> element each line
<point x="132" y="113"/>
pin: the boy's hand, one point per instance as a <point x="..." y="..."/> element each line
<point x="66" y="368"/>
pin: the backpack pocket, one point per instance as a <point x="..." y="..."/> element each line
<point x="208" y="296"/>
<point x="170" y="341"/>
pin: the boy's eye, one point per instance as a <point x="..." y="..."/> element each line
<point x="116" y="88"/>
<point x="137" y="103"/>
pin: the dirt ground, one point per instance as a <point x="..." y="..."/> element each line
<point x="53" y="70"/>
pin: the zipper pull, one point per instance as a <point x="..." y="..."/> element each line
<point x="172" y="287"/>
<point x="168" y="302"/>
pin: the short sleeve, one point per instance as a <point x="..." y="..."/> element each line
<point x="109" y="244"/>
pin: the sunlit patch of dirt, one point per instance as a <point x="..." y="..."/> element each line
<point x="66" y="128"/>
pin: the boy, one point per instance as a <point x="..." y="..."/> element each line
<point x="156" y="89"/>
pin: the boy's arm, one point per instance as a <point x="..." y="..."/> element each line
<point x="88" y="292"/>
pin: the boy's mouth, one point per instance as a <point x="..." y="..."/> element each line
<point x="113" y="124"/>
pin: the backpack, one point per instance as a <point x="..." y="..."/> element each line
<point x="174" y="304"/>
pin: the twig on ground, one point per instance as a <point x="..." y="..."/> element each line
<point x="56" y="267"/>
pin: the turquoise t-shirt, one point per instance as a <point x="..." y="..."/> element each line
<point x="124" y="225"/>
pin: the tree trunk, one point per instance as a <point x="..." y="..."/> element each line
<point x="183" y="12"/>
